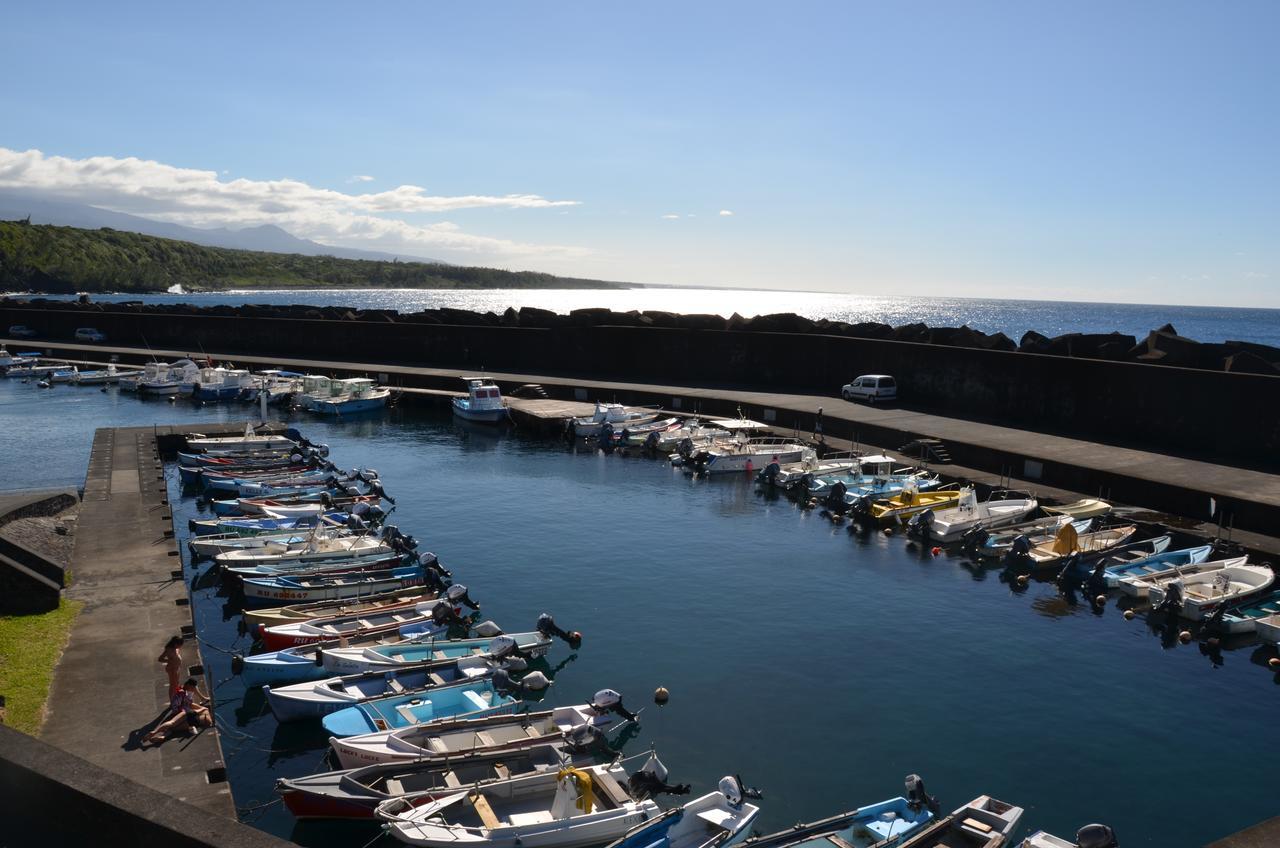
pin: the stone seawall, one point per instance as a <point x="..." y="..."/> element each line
<point x="1210" y="414"/>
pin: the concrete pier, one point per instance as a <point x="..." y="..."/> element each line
<point x="109" y="690"/>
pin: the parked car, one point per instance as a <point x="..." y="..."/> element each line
<point x="872" y="388"/>
<point x="89" y="334"/>
<point x="22" y="331"/>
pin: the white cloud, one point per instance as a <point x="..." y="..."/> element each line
<point x="199" y="198"/>
<point x="361" y="178"/>
<point x="726" y="213"/>
<point x="670" y="217"/>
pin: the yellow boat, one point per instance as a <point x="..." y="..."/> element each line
<point x="1068" y="542"/>
<point x="1087" y="508"/>
<point x="908" y="502"/>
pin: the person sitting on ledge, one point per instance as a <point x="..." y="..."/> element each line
<point x="185" y="714"/>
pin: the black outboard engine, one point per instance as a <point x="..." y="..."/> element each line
<point x="651" y="780"/>
<point x="1069" y="578"/>
<point x="920" y="523"/>
<point x="1213" y="624"/>
<point x="835" y="497"/>
<point x="586" y="738"/>
<point x="1096" y="836"/>
<point x="698" y="462"/>
<point x="1097" y="582"/>
<point x="1172" y="603"/>
<point x="605" y="437"/>
<point x="547" y="626"/>
<point x="974" y="538"/>
<point x="651" y="441"/>
<point x="685" y="448"/>
<point x="293" y="435"/>
<point x="862" y="505"/>
<point x="457" y="594"/>
<point x="917" y="798"/>
<point x="356" y="523"/>
<point x="1019" y="556"/>
<point x="609" y="701"/>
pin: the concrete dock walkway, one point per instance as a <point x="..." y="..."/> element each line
<point x="108" y="688"/>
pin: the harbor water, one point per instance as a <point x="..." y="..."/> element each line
<point x="822" y="665"/>
<point x="1011" y="317"/>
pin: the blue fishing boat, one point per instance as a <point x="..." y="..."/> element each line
<point x="305" y="662"/>
<point x="346" y="397"/>
<point x="470" y="700"/>
<point x="1159" y="561"/>
<point x="881" y="824"/>
<point x="715" y="820"/>
<point x="355" y="660"/>
<point x="293" y="588"/>
<point x="267" y="484"/>
<point x="1243" y="618"/>
<point x="258" y="526"/>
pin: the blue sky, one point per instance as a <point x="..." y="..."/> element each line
<point x="1085" y="151"/>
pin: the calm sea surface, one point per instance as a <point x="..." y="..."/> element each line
<point x="821" y="665"/>
<point x="1012" y="317"/>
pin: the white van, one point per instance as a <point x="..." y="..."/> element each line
<point x="871" y="388"/>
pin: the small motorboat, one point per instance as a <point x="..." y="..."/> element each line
<point x="355" y="793"/>
<point x="323" y="568"/>
<point x="1242" y="618"/>
<point x="326" y="588"/>
<point x="985" y="544"/>
<point x="357" y="394"/>
<point x="1196" y="596"/>
<point x="1085" y="508"/>
<point x="428" y="616"/>
<point x="1115" y="573"/>
<point x="1268" y="630"/>
<point x="807" y="469"/>
<point x="719" y="818"/>
<point x="315" y="549"/>
<point x="645" y="434"/>
<point x="444" y="740"/>
<point x="740" y="454"/>
<point x="1140" y="586"/>
<point x="102" y="376"/>
<point x="389" y="689"/>
<point x="614" y="414"/>
<point x="691" y="435"/>
<point x="566" y="808"/>
<point x="213" y="544"/>
<point x="948" y="525"/>
<point x="483" y="402"/>
<point x="63" y="374"/>
<point x="1068" y="542"/>
<point x="469" y="698"/>
<point x="909" y="501"/>
<point x="305" y="662"/>
<point x="254" y="619"/>
<point x="249" y="441"/>
<point x="1090" y="836"/>
<point x="388" y="658"/>
<point x="263" y="524"/>
<point x="883" y="823"/>
<point x="982" y="823"/>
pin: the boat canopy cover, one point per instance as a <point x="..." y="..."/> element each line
<point x="738" y="424"/>
<point x="1067" y="541"/>
<point x="877" y="459"/>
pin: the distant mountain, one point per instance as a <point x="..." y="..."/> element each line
<point x="269" y="238"/>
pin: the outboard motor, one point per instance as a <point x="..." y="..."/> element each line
<point x="487" y="629"/>
<point x="835" y="497"/>
<point x="296" y="458"/>
<point x="651" y="780"/>
<point x="457" y="594"/>
<point x="586" y="738"/>
<point x="651" y="441"/>
<point x="547" y="626"/>
<point x="351" y="491"/>
<point x="920" y="523"/>
<point x="862" y="505"/>
<point x="356" y="523"/>
<point x="1213" y="624"/>
<point x="1096" y="836"/>
<point x="605" y="438"/>
<point x="609" y="701"/>
<point x="685" y="448"/>
<point x="534" y="681"/>
<point x="293" y="435"/>
<point x="1069" y="578"/>
<point x="917" y="798"/>
<point x="506" y="647"/>
<point x="327" y="500"/>
<point x="375" y="488"/>
<point x="1097" y="582"/>
<point x="698" y="462"/>
<point x="323" y="450"/>
<point x="1172" y="603"/>
<point x="974" y="538"/>
<point x="769" y="474"/>
<point x="736" y="792"/>
<point x="1019" y="556"/>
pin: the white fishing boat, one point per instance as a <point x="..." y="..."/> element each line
<point x="717" y="819"/>
<point x="739" y="454"/>
<point x="694" y="434"/>
<point x="450" y="738"/>
<point x="217" y="384"/>
<point x="948" y="525"/>
<point x="357" y="394"/>
<point x="1068" y="542"/>
<point x="1091" y="836"/>
<point x="102" y="376"/>
<point x="316" y="548"/>
<point x="1195" y="596"/>
<point x="358" y="659"/>
<point x="250" y="441"/>
<point x="984" y="822"/>
<point x="483" y="402"/>
<point x="567" y="808"/>
<point x="1140" y="586"/>
<point x="167" y="378"/>
<point x="615" y="415"/>
<point x="786" y="475"/>
<point x="1268" y="630"/>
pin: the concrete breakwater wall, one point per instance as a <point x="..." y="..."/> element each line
<point x="1210" y="414"/>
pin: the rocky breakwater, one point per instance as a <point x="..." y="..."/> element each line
<point x="1162" y="346"/>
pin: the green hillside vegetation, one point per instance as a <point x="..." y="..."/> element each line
<point x="44" y="258"/>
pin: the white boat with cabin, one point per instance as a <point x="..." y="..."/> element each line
<point x="747" y="454"/>
<point x="948" y="525"/>
<point x="483" y="402"/>
<point x="354" y="394"/>
<point x="614" y="414"/>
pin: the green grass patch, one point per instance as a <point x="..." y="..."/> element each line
<point x="30" y="646"/>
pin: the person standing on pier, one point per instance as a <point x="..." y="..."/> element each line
<point x="817" y="426"/>
<point x="172" y="659"/>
